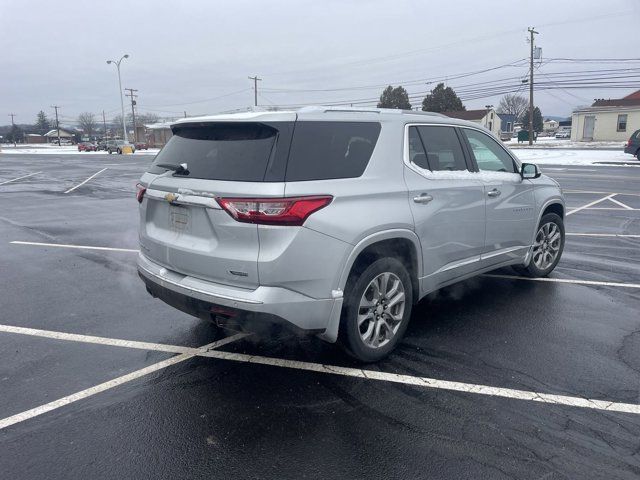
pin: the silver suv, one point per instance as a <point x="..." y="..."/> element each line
<point x="337" y="221"/>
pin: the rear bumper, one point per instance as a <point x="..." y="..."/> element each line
<point x="196" y="297"/>
<point x="632" y="149"/>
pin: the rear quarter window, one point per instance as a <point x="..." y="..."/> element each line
<point x="330" y="150"/>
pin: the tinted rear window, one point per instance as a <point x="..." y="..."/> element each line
<point x="244" y="152"/>
<point x="327" y="150"/>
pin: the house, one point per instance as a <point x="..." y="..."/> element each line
<point x="488" y="118"/>
<point x="34" y="138"/>
<point x="52" y="135"/>
<point x="550" y="126"/>
<point x="158" y="134"/>
<point x="507" y="124"/>
<point x="607" y="120"/>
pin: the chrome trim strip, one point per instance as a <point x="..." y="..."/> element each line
<point x="502" y="251"/>
<point x="457" y="264"/>
<point x="197" y="290"/>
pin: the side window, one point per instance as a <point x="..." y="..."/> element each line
<point x="489" y="155"/>
<point x="443" y="148"/>
<point x="417" y="155"/>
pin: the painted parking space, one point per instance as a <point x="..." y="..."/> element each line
<point x="471" y="350"/>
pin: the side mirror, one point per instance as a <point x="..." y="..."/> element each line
<point x="529" y="171"/>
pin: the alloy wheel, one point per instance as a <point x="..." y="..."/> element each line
<point x="547" y="245"/>
<point x="381" y="310"/>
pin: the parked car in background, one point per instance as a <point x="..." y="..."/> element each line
<point x="87" y="147"/>
<point x="633" y="144"/>
<point x="563" y="132"/>
<point x="336" y="221"/>
<point x="101" y="146"/>
<point x="141" y="146"/>
<point x="115" y="146"/>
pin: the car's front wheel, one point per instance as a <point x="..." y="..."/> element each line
<point x="377" y="309"/>
<point x="547" y="247"/>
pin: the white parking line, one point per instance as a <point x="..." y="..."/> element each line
<point x="209" y="352"/>
<point x="430" y="382"/>
<point x="113" y="342"/>
<point x="602" y="193"/>
<point x="82" y="247"/>
<point x="612" y="208"/>
<point x="19" y="178"/>
<point x="590" y="204"/>
<point x="620" y="235"/>
<point x="565" y="280"/>
<point x="61" y="402"/>
<point x="82" y="183"/>
<point x="618" y="202"/>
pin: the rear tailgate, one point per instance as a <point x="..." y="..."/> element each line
<point x="182" y="226"/>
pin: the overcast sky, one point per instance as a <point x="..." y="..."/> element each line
<point x="196" y="55"/>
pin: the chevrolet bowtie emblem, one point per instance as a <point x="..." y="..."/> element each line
<point x="171" y="197"/>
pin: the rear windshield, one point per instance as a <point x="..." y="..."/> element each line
<point x="261" y="152"/>
<point x="222" y="151"/>
<point x="327" y="150"/>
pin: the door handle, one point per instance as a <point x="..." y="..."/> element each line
<point x="423" y="198"/>
<point x="494" y="193"/>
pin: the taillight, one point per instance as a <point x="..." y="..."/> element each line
<point x="274" y="211"/>
<point x="140" y="190"/>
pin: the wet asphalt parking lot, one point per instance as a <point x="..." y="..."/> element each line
<point x="498" y="377"/>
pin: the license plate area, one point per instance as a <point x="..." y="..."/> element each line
<point x="179" y="218"/>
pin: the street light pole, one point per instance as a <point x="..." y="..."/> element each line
<point x="117" y="64"/>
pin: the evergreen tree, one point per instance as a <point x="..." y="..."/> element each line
<point x="15" y="135"/>
<point x="394" y="98"/>
<point x="42" y="123"/>
<point x="442" y="99"/>
<point x="538" y="124"/>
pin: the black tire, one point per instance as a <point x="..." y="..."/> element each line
<point x="638" y="154"/>
<point x="350" y="336"/>
<point x="119" y="152"/>
<point x="532" y="270"/>
<point x="110" y="152"/>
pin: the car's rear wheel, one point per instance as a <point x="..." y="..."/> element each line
<point x="638" y="154"/>
<point x="547" y="247"/>
<point x="377" y="309"/>
<point x="119" y="152"/>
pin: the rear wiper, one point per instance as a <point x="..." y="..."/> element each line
<point x="180" y="169"/>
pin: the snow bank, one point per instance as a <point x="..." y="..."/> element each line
<point x="551" y="156"/>
<point x="36" y="149"/>
<point x="551" y="142"/>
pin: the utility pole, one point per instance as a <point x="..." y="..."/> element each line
<point x="255" y="89"/>
<point x="56" y="107"/>
<point x="104" y="126"/>
<point x="532" y="32"/>
<point x="133" y="111"/>
<point x="12" y="115"/>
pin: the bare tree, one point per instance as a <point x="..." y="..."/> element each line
<point x="513" y="104"/>
<point x="87" y="122"/>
